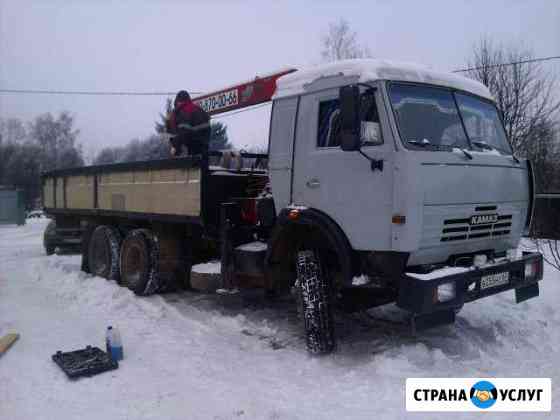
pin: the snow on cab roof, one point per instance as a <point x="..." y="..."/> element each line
<point x="368" y="70"/>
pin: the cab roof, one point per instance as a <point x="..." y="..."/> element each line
<point x="367" y="70"/>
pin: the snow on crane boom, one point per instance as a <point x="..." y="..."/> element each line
<point x="253" y="92"/>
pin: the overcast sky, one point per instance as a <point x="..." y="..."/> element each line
<point x="169" y="45"/>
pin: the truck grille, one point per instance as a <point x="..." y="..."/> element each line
<point x="460" y="229"/>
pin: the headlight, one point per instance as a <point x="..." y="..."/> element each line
<point x="446" y="292"/>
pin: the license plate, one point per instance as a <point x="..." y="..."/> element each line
<point x="494" y="280"/>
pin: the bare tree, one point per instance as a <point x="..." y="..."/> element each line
<point x="12" y="130"/>
<point x="524" y="91"/>
<point x="57" y="139"/>
<point x="341" y="43"/>
<point x="543" y="149"/>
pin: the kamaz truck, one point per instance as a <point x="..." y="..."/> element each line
<point x="385" y="183"/>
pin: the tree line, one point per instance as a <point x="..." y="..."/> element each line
<point x="28" y="149"/>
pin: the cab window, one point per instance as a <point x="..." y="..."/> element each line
<point x="328" y="132"/>
<point x="329" y="125"/>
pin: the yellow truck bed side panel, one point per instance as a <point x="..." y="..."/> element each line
<point x="79" y="192"/>
<point x="59" y="194"/>
<point x="48" y="193"/>
<point x="160" y="191"/>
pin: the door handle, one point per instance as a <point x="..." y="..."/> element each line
<point x="313" y="183"/>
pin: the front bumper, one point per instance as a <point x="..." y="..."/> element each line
<point x="420" y="295"/>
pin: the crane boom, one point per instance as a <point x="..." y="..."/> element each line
<point x="252" y="92"/>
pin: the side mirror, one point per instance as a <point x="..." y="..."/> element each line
<point x="350" y="118"/>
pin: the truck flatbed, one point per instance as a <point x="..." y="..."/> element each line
<point x="167" y="190"/>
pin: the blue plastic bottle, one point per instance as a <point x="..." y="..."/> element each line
<point x="113" y="343"/>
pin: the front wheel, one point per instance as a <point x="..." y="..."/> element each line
<point x="315" y="300"/>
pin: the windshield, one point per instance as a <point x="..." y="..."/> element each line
<point x="430" y="118"/>
<point x="427" y="117"/>
<point x="483" y="125"/>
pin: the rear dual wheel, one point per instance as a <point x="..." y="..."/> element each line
<point x="103" y="252"/>
<point x="139" y="262"/>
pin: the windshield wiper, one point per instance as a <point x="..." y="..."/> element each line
<point x="467" y="154"/>
<point x="482" y="144"/>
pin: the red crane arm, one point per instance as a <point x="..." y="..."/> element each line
<point x="253" y="92"/>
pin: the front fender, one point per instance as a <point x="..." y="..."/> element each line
<point x="328" y="229"/>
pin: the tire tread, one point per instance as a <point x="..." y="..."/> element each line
<point x="316" y="303"/>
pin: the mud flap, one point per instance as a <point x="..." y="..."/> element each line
<point x="525" y="293"/>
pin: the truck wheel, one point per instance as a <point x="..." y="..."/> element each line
<point x="139" y="262"/>
<point x="315" y="299"/>
<point x="103" y="252"/>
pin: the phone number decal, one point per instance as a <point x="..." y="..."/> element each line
<point x="219" y="101"/>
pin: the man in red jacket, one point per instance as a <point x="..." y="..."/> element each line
<point x="190" y="125"/>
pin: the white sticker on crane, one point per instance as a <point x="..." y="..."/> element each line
<point x="219" y="101"/>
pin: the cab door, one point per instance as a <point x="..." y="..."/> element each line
<point x="342" y="184"/>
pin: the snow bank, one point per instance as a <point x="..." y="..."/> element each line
<point x="360" y="280"/>
<point x="212" y="267"/>
<point x="256" y="246"/>
<point x="442" y="272"/>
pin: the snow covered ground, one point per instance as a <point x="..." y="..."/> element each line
<point x="196" y="356"/>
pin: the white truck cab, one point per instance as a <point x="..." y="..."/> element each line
<point x="413" y="168"/>
<point x="441" y="149"/>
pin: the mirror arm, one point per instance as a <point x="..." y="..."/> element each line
<point x="376" y="164"/>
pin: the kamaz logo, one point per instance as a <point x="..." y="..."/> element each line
<point x="484" y="219"/>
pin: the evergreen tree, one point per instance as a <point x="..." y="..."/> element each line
<point x="219" y="137"/>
